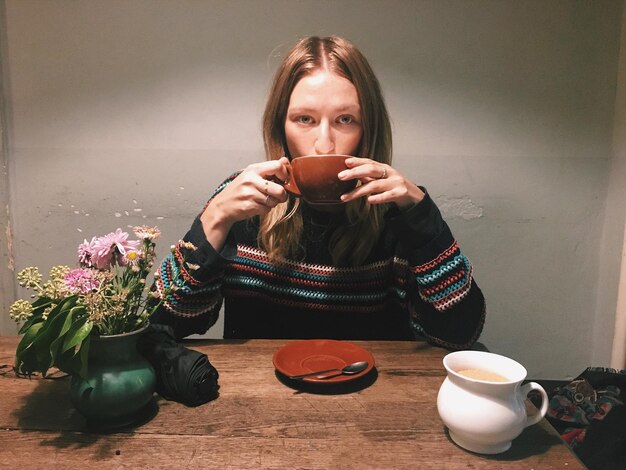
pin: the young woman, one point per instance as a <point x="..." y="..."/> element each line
<point x="381" y="265"/>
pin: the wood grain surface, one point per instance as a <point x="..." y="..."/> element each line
<point x="388" y="421"/>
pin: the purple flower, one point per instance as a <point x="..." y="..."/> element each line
<point x="81" y="281"/>
<point x="111" y="249"/>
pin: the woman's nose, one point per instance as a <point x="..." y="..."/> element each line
<point x="325" y="142"/>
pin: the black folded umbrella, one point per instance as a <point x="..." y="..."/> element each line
<point x="182" y="374"/>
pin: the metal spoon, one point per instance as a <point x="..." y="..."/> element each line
<point x="350" y="369"/>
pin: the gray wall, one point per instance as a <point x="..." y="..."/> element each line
<point x="130" y="112"/>
<point x="6" y="261"/>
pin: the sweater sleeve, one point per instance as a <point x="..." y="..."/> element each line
<point x="189" y="281"/>
<point x="193" y="305"/>
<point x="446" y="305"/>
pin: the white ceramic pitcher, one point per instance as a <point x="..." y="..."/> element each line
<point x="484" y="416"/>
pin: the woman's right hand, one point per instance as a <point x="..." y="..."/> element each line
<point x="253" y="192"/>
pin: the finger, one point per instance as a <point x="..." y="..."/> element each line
<point x="281" y="175"/>
<point x="269" y="178"/>
<point x="398" y="194"/>
<point x="357" y="161"/>
<point x="351" y="164"/>
<point x="378" y="199"/>
<point x="366" y="172"/>
<point x="359" y="192"/>
<point x="264" y="202"/>
<point x="270" y="202"/>
<point x="272" y="189"/>
<point x="264" y="210"/>
<point x="265" y="193"/>
<point x="274" y="169"/>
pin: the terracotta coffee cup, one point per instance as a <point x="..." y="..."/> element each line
<point x="314" y="178"/>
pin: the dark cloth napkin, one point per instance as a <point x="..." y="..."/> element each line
<point x="182" y="375"/>
<point x="590" y="415"/>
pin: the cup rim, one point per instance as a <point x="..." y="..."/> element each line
<point x="323" y="155"/>
<point x="475" y="360"/>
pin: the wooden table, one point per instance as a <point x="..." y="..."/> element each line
<point x="259" y="422"/>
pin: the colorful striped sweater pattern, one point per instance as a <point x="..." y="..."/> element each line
<point x="432" y="283"/>
<point x="442" y="282"/>
<point x="315" y="286"/>
<point x="445" y="280"/>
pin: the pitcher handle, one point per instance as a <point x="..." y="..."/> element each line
<point x="535" y="417"/>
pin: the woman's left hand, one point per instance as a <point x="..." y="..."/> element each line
<point x="380" y="183"/>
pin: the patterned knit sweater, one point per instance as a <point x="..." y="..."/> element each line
<point x="415" y="282"/>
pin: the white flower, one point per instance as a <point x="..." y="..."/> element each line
<point x="144" y="232"/>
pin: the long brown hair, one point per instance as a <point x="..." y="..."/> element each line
<point x="352" y="242"/>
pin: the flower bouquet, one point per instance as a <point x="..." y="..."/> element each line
<point x="105" y="295"/>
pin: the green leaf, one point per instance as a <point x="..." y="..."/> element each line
<point x="77" y="333"/>
<point x="30" y="322"/>
<point x="83" y="356"/>
<point x="44" y="357"/>
<point x="54" y="342"/>
<point x="41" y="302"/>
<point x="58" y="340"/>
<point x="29" y="337"/>
<point x="26" y="362"/>
<point x="23" y="356"/>
<point x="74" y="362"/>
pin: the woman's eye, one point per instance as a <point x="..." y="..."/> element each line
<point x="346" y="119"/>
<point x="304" y="119"/>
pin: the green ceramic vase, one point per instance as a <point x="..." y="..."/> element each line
<point x="119" y="385"/>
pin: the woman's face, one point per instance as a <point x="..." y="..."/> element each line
<point x="324" y="116"/>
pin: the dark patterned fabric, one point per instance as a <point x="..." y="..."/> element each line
<point x="590" y="415"/>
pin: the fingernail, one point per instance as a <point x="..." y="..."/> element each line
<point x="341" y="174"/>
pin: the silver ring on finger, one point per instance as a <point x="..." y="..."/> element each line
<point x="384" y="175"/>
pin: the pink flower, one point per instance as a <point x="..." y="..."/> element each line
<point x="81" y="281"/>
<point x="111" y="249"/>
<point x="85" y="251"/>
